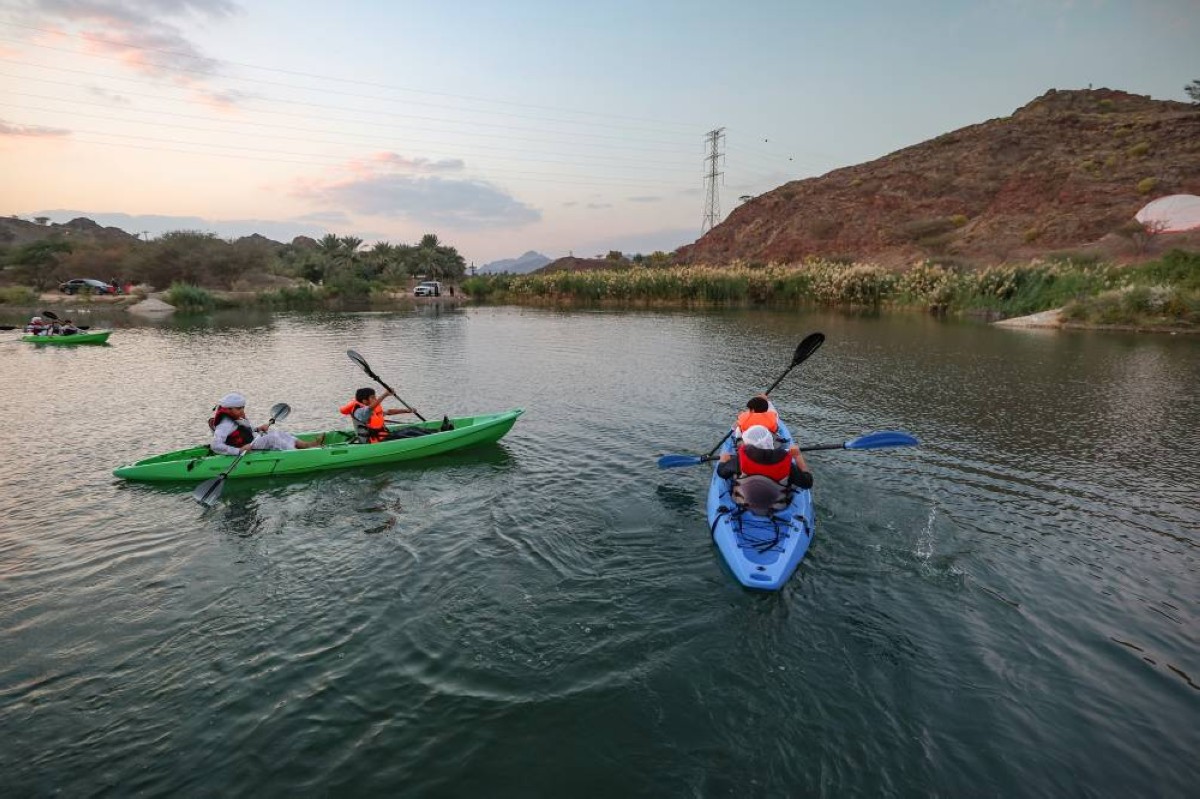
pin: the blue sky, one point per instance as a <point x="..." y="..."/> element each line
<point x="505" y="127"/>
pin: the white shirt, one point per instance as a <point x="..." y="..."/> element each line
<point x="220" y="433"/>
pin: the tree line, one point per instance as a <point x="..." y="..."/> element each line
<point x="339" y="264"/>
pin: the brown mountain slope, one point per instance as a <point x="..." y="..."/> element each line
<point x="14" y="232"/>
<point x="1062" y="172"/>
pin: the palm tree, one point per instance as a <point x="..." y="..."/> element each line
<point x="351" y="243"/>
<point x="329" y="244"/>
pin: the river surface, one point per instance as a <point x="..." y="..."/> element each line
<point x="1009" y="610"/>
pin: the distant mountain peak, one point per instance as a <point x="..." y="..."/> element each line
<point x="528" y="262"/>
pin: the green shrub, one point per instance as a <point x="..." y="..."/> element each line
<point x="293" y="298"/>
<point x="1138" y="150"/>
<point x="17" y="295"/>
<point x="187" y="297"/>
<point x="1146" y="185"/>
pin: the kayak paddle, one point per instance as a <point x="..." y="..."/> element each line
<point x="811" y="343"/>
<point x="208" y="492"/>
<point x="884" y="438"/>
<point x="366" y="367"/>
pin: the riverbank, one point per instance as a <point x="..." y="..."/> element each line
<point x="1158" y="295"/>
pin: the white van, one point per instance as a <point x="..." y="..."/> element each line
<point x="429" y="288"/>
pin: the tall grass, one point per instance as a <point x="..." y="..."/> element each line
<point x="1008" y="290"/>
<point x="187" y="297"/>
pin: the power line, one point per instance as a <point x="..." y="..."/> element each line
<point x="325" y="107"/>
<point x="311" y="159"/>
<point x="374" y="98"/>
<point x="343" y="80"/>
<point x="299" y="116"/>
<point x="618" y="161"/>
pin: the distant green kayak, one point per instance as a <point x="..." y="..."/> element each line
<point x="99" y="337"/>
<point x="198" y="463"/>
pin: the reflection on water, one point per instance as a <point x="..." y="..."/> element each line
<point x="547" y="615"/>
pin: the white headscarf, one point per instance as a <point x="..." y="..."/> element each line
<point x="759" y="436"/>
<point x="233" y="400"/>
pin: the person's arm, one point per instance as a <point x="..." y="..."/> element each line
<point x="729" y="466"/>
<point x="220" y="433"/>
<point x="362" y="415"/>
<point x="800" y="476"/>
<point x="394" y="411"/>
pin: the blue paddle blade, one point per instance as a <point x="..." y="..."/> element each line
<point x="884" y="438"/>
<point x="675" y="461"/>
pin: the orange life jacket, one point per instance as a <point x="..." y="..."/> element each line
<point x="768" y="419"/>
<point x="778" y="471"/>
<point x="376" y="428"/>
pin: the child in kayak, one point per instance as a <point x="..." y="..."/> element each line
<point x="366" y="410"/>
<point x="761" y="472"/>
<point x="759" y="411"/>
<point x="233" y="434"/>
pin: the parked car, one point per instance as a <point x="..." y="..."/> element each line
<point x="429" y="288"/>
<point x="87" y="284"/>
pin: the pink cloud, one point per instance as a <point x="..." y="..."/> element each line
<point x="31" y="131"/>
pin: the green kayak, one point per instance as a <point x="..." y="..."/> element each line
<point x="99" y="337"/>
<point x="198" y="463"/>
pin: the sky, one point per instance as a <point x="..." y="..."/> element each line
<point x="503" y="127"/>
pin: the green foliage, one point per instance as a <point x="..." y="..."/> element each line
<point x="1106" y="106"/>
<point x="1146" y="185"/>
<point x="189" y="297"/>
<point x="1138" y="150"/>
<point x="299" y="298"/>
<point x="1193" y="91"/>
<point x="199" y="259"/>
<point x="17" y="295"/>
<point x="37" y="263"/>
<point x="1177" y="267"/>
<point x="1089" y="288"/>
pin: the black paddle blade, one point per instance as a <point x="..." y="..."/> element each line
<point x="50" y="315"/>
<point x="811" y="343"/>
<point x="358" y="359"/>
<point x="208" y="492"/>
<point x="279" y="412"/>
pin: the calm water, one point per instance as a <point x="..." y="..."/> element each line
<point x="1009" y="610"/>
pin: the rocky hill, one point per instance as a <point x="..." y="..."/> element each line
<point x="572" y="264"/>
<point x="525" y="263"/>
<point x="15" y="232"/>
<point x="1064" y="172"/>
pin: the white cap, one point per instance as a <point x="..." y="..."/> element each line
<point x="36" y="319"/>
<point x="759" y="436"/>
<point x="233" y="400"/>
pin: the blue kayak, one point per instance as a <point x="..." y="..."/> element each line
<point x="761" y="551"/>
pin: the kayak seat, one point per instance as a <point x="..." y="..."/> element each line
<point x="760" y="494"/>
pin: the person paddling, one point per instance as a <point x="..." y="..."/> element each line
<point x="366" y="410"/>
<point x="761" y="472"/>
<point x="37" y="327"/>
<point x="759" y="411"/>
<point x="232" y="433"/>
